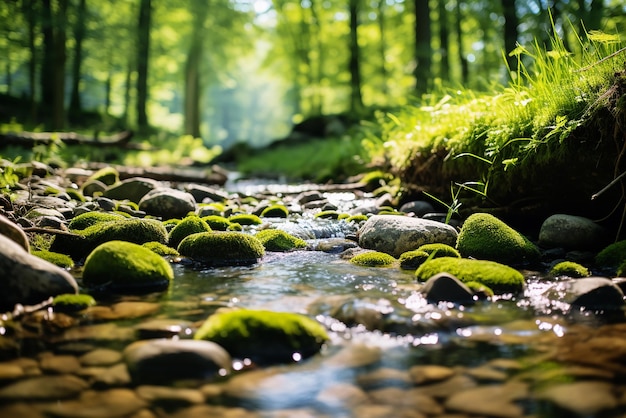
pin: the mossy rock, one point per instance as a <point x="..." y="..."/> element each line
<point x="480" y="288"/>
<point x="275" y="211"/>
<point x="612" y="255"/>
<point x="235" y="227"/>
<point x="328" y="214"/>
<point x="75" y="195"/>
<point x="279" y="241"/>
<point x="411" y="260"/>
<point x="486" y="237"/>
<point x="126" y="267"/>
<point x="440" y="250"/>
<point x="222" y="248"/>
<point x="373" y="259"/>
<point x="265" y="337"/>
<point x="107" y="175"/>
<point x="57" y="259"/>
<point x="570" y="269"/>
<point x="190" y="225"/>
<point x="160" y="249"/>
<point x="356" y="218"/>
<point x="87" y="219"/>
<point x="70" y="302"/>
<point x="245" y="219"/>
<point x="217" y="222"/>
<point x="132" y="230"/>
<point x="498" y="277"/>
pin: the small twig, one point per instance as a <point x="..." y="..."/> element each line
<point x="580" y="70"/>
<point x="608" y="186"/>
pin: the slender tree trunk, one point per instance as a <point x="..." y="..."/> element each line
<point x="75" y="107"/>
<point x="31" y="17"/>
<point x="511" y="22"/>
<point x="318" y="75"/>
<point x="459" y="39"/>
<point x="384" y="90"/>
<point x="59" y="67"/>
<point x="48" y="58"/>
<point x="444" y="41"/>
<point x="143" y="53"/>
<point x="356" y="98"/>
<point x="127" y="90"/>
<point x="192" y="88"/>
<point x="423" y="48"/>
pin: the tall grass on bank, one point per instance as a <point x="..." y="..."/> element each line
<point x="503" y="139"/>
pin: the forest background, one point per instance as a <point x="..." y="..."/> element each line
<point x="247" y="70"/>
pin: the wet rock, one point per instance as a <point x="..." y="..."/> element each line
<point x="133" y="189"/>
<point x="594" y="293"/>
<point x="106" y="377"/>
<point x="167" y="203"/>
<point x="581" y="398"/>
<point x="384" y="376"/>
<point x="168" y="397"/>
<point x="155" y="361"/>
<point x="203" y="411"/>
<point x="333" y="245"/>
<point x="341" y="396"/>
<point x="44" y="388"/>
<point x="27" y="279"/>
<point x="111" y="403"/>
<point x="101" y="357"/>
<point x="354" y="356"/>
<point x="412" y="398"/>
<point x="572" y="232"/>
<point x="206" y="194"/>
<point x="492" y="400"/>
<point x="91" y="187"/>
<point x="397" y="234"/>
<point x="445" y="287"/>
<point x="62" y="364"/>
<point x="13" y="232"/>
<point x="417" y="207"/>
<point x="222" y="248"/>
<point x="427" y="374"/>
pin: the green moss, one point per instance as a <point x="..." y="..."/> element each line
<point x="357" y="218"/>
<point x="160" y="249"/>
<point x="411" y="260"/>
<point x="189" y="225"/>
<point x="245" y="219"/>
<point x="123" y="266"/>
<point x="217" y="222"/>
<point x="235" y="227"/>
<point x="130" y="204"/>
<point x="328" y="214"/>
<point x="500" y="278"/>
<point x="222" y="248"/>
<point x="70" y="302"/>
<point x="87" y="219"/>
<point x="440" y="250"/>
<point x="373" y="259"/>
<point x="477" y="287"/>
<point x="570" y="269"/>
<point x="275" y="211"/>
<point x="612" y="256"/>
<point x="277" y="240"/>
<point x="265" y="337"/>
<point x="57" y="259"/>
<point x="107" y="175"/>
<point x="75" y="195"/>
<point x="484" y="236"/>
<point x="375" y="179"/>
<point x="133" y="230"/>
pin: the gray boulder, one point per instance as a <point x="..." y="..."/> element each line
<point x="167" y="203"/>
<point x="27" y="279"/>
<point x="572" y="232"/>
<point x="444" y="287"/>
<point x="395" y="235"/>
<point x="132" y="189"/>
<point x="13" y="232"/>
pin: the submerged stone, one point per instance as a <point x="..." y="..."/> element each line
<point x="219" y="248"/>
<point x="265" y="337"/>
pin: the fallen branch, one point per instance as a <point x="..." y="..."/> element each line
<point x="30" y="139"/>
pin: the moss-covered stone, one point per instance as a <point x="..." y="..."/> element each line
<point x="217" y="222"/>
<point x="411" y="260"/>
<point x="107" y="175"/>
<point x="373" y="259"/>
<point x="480" y="288"/>
<point x="190" y="225"/>
<point x="245" y="219"/>
<point x="87" y="219"/>
<point x="123" y="266"/>
<point x="265" y="337"/>
<point x="486" y="237"/>
<point x="234" y="226"/>
<point x="356" y="218"/>
<point x="69" y="302"/>
<point x="133" y="230"/>
<point x="219" y="248"/>
<point x="75" y="195"/>
<point x="57" y="259"/>
<point x="439" y="250"/>
<point x="275" y="211"/>
<point x="570" y="269"/>
<point x="280" y="241"/>
<point x="498" y="277"/>
<point x="160" y="249"/>
<point x="612" y="255"/>
<point x="328" y="214"/>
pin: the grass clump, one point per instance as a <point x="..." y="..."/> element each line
<point x="373" y="259"/>
<point x="279" y="241"/>
<point x="570" y="269"/>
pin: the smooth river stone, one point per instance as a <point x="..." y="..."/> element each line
<point x="412" y="398"/>
<point x="491" y="400"/>
<point x="101" y="357"/>
<point x="162" y="395"/>
<point x="111" y="403"/>
<point x="581" y="398"/>
<point x="59" y="364"/>
<point x="44" y="388"/>
<point x="341" y="395"/>
<point x="421" y="375"/>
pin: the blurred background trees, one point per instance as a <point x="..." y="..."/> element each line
<point x="247" y="70"/>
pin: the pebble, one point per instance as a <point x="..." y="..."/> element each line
<point x="44" y="388"/>
<point x="112" y="403"/>
<point x="491" y="400"/>
<point x="586" y="398"/>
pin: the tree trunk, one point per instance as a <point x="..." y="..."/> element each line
<point x="143" y="52"/>
<point x="459" y="39"/>
<point x="318" y="74"/>
<point x="75" y="107"/>
<point x="193" y="82"/>
<point x="511" y="23"/>
<point x="31" y="17"/>
<point x="444" y="41"/>
<point x="384" y="88"/>
<point x="356" y="98"/>
<point x="48" y="58"/>
<point x="58" y="110"/>
<point x="423" y="48"/>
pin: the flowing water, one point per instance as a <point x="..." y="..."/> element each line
<point x="391" y="353"/>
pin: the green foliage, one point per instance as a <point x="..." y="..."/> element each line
<point x="124" y="266"/>
<point x="277" y="240"/>
<point x="486" y="237"/>
<point x="219" y="248"/>
<point x="190" y="225"/>
<point x="57" y="259"/>
<point x="500" y="278"/>
<point x="69" y="302"/>
<point x="8" y="177"/>
<point x="570" y="269"/>
<point x="265" y="337"/>
<point x="373" y="259"/>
